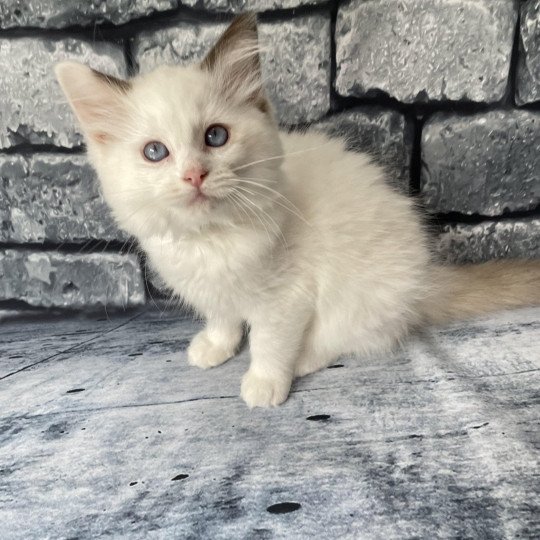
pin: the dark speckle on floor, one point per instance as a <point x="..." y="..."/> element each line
<point x="318" y="417"/>
<point x="284" y="508"/>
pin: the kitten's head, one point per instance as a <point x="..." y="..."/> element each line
<point x="182" y="148"/>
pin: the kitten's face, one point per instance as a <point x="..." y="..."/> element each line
<point x="182" y="148"/>
<point x="187" y="155"/>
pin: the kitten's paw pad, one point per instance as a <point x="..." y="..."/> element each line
<point x="259" y="391"/>
<point x="204" y="354"/>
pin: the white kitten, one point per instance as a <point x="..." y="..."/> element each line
<point x="288" y="232"/>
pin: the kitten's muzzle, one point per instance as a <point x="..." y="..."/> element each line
<point x="195" y="176"/>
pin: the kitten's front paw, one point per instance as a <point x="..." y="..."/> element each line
<point x="261" y="391"/>
<point x="205" y="354"/>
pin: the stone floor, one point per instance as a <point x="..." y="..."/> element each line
<point x="106" y="431"/>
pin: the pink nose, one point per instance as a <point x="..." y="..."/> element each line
<point x="195" y="176"/>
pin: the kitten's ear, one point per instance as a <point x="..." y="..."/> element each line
<point x="235" y="62"/>
<point x="96" y="98"/>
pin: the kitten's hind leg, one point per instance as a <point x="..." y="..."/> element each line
<point x="216" y="343"/>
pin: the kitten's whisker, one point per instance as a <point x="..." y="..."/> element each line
<point x="256" y="194"/>
<point x="267" y="217"/>
<point x="281" y="156"/>
<point x="242" y="207"/>
<point x="289" y="206"/>
<point x="124" y="244"/>
<point x="106" y="246"/>
<point x="169" y="302"/>
<point x="269" y="180"/>
<point x="83" y="247"/>
<point x="245" y="199"/>
<point x="249" y="180"/>
<point x="278" y="229"/>
<point x="237" y="206"/>
<point x="293" y="209"/>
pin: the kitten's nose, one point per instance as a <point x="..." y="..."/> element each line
<point x="195" y="176"/>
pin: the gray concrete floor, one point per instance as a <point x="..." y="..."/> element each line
<point x="105" y="431"/>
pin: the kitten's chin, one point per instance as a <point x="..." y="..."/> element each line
<point x="199" y="200"/>
<point x="200" y="211"/>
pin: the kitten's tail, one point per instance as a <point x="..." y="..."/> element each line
<point x="466" y="291"/>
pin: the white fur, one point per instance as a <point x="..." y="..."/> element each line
<point x="318" y="256"/>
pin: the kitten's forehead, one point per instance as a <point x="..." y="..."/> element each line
<point x="178" y="97"/>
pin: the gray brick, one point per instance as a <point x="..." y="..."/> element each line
<point x="296" y="64"/>
<point x="34" y="109"/>
<point x="482" y="164"/>
<point x="51" y="279"/>
<point x="382" y="133"/>
<point x="239" y="6"/>
<point x="425" y="50"/>
<point x="52" y="197"/>
<point x="61" y="13"/>
<point x="183" y="44"/>
<point x="511" y="239"/>
<point x="528" y="75"/>
<point x="296" y="60"/>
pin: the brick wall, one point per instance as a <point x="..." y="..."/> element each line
<point x="444" y="92"/>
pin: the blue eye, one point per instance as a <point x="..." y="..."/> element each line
<point x="216" y="135"/>
<point x="155" y="151"/>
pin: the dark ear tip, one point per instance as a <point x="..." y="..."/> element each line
<point x="242" y="29"/>
<point x="118" y="84"/>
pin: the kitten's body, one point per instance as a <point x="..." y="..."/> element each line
<point x="360" y="286"/>
<point x="289" y="232"/>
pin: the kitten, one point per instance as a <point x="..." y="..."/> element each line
<point x="290" y="233"/>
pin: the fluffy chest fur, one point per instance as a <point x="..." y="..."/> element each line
<point x="214" y="271"/>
